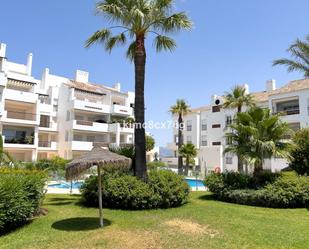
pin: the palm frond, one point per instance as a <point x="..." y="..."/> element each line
<point x="131" y="51"/>
<point x="176" y="22"/>
<point x="99" y="36"/>
<point x="115" y="40"/>
<point x="164" y="43"/>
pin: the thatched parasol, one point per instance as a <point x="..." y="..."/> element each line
<point x="102" y="158"/>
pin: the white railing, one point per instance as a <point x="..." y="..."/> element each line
<point x="18" y="95"/>
<point x="90" y="126"/>
<point x="121" y="109"/>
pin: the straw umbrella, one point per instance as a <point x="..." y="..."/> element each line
<point x="102" y="158"/>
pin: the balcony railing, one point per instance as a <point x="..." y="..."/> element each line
<point x="89" y="123"/>
<point x="19" y="140"/>
<point x="21" y="115"/>
<point x="45" y="144"/>
<point x="288" y="112"/>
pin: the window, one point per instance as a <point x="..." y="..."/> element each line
<point x="189" y="140"/>
<point x="216" y="108"/>
<point x="44" y="121"/>
<point x="216" y="125"/>
<point x="228" y="120"/>
<point x="216" y="143"/>
<point x="189" y="125"/>
<point x="204" y="141"/>
<point x="55" y="108"/>
<point x="90" y="138"/>
<point x="68" y="115"/>
<point x="229" y="160"/>
<point x="204" y="124"/>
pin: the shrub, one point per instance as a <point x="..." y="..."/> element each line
<point x="164" y="189"/>
<point x="169" y="187"/>
<point x="21" y="192"/>
<point x="285" y="191"/>
<point x="300" y="153"/>
<point x="155" y="165"/>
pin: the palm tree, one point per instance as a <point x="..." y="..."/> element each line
<point x="181" y="108"/>
<point x="189" y="152"/>
<point x="137" y="20"/>
<point x="258" y="135"/>
<point x="299" y="51"/>
<point x="238" y="98"/>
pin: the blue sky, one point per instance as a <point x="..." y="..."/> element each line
<point x="232" y="42"/>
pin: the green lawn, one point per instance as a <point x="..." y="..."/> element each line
<point x="202" y="223"/>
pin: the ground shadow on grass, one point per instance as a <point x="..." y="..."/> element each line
<point x="79" y="224"/>
<point x="207" y="197"/>
<point x="60" y="203"/>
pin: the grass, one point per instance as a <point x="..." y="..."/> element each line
<point x="202" y="223"/>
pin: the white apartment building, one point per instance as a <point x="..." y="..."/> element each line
<point x="54" y="115"/>
<point x="206" y="126"/>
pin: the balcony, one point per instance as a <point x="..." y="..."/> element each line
<point x="21" y="96"/>
<point x="18" y="142"/>
<point x="121" y="110"/>
<point x="85" y="125"/>
<point x="48" y="126"/>
<point x="47" y="145"/>
<point x="122" y="127"/>
<point x="20" y="117"/>
<point x="288" y="107"/>
<point x="87" y="146"/>
<point x="289" y="112"/>
<point x="90" y="106"/>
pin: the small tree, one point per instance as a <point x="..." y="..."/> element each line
<point x="300" y="152"/>
<point x="189" y="152"/>
<point x="237" y="98"/>
<point x="150" y="143"/>
<point x="181" y="108"/>
<point x="257" y="135"/>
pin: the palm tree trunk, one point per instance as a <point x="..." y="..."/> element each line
<point x="258" y="167"/>
<point x="140" y="169"/>
<point x="240" y="167"/>
<point x="180" y="143"/>
<point x="187" y="167"/>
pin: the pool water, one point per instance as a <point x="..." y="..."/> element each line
<point x="193" y="183"/>
<point x="66" y="185"/>
<point x="76" y="185"/>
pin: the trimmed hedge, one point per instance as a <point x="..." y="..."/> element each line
<point x="21" y="192"/>
<point x="284" y="191"/>
<point x="164" y="189"/>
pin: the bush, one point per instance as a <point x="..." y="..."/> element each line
<point x="286" y="191"/>
<point x="155" y="165"/>
<point x="164" y="189"/>
<point x="300" y="153"/>
<point x="170" y="188"/>
<point x="21" y="192"/>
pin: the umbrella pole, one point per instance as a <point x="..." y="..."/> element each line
<point x="100" y="196"/>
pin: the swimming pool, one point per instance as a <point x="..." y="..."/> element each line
<point x="76" y="185"/>
<point x="195" y="183"/>
<point x="66" y="185"/>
